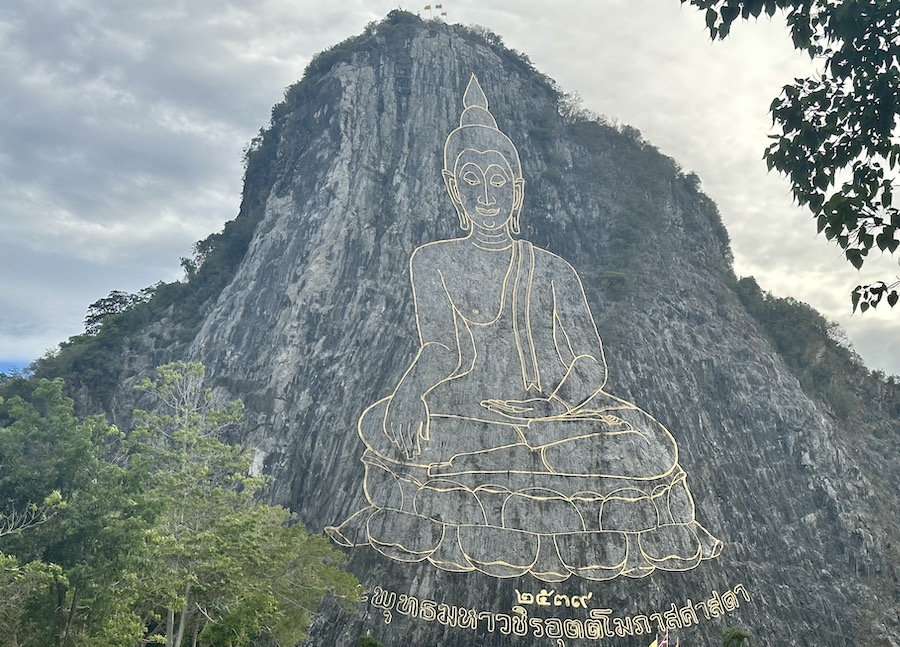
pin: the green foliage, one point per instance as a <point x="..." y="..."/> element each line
<point x="92" y="361"/>
<point x="115" y="303"/>
<point x="736" y="637"/>
<point x="156" y="536"/>
<point x="18" y="586"/>
<point x="367" y="641"/>
<point x="838" y="143"/>
<point x="43" y="447"/>
<point x="227" y="568"/>
<point x="55" y="459"/>
<point x="816" y="352"/>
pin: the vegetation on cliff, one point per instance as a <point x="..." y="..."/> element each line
<point x="154" y="536"/>
<point x="819" y="355"/>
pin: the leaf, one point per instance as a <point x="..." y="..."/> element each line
<point x="729" y="13"/>
<point x="892" y="298"/>
<point x="711" y="17"/>
<point x="855" y="257"/>
<point x="855" y="296"/>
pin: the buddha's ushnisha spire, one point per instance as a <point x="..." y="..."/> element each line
<point x="475" y="104"/>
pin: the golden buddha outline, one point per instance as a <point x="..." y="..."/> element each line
<point x="499" y="450"/>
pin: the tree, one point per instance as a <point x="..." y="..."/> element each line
<point x="838" y="144"/>
<point x="42" y="446"/>
<point x="18" y="584"/>
<point x="225" y="567"/>
<point x="116" y="302"/>
<point x="56" y="498"/>
<point x="156" y="536"/>
<point x="367" y="641"/>
<point x="736" y="637"/>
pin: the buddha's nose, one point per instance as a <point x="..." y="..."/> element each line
<point x="485" y="198"/>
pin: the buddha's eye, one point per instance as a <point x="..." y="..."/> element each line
<point x="497" y="180"/>
<point x="471" y="178"/>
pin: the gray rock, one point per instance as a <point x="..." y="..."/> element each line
<point x="318" y="323"/>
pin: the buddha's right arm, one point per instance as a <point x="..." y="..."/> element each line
<point x="433" y="364"/>
<point x="406" y="417"/>
<point x="438" y="355"/>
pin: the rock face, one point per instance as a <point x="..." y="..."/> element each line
<point x="319" y="323"/>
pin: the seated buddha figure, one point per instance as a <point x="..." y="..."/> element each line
<point x="499" y="450"/>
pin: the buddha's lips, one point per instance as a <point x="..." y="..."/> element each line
<point x="487" y="212"/>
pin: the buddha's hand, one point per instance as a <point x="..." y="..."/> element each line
<point x="406" y="424"/>
<point x="531" y="409"/>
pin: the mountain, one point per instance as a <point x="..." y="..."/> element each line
<point x="756" y="501"/>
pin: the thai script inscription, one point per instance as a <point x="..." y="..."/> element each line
<point x="599" y="623"/>
<point x="547" y="598"/>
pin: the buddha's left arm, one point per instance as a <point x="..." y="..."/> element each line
<point x="576" y="339"/>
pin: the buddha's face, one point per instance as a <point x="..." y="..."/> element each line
<point x="484" y="186"/>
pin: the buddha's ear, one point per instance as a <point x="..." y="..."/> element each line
<point x="453" y="190"/>
<point x="518" y="194"/>
<point x="452" y="187"/>
<point x="518" y="200"/>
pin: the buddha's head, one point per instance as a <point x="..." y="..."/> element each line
<point x="482" y="170"/>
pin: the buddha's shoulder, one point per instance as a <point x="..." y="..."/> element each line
<point x="547" y="261"/>
<point x="437" y="248"/>
<point x="437" y="245"/>
<point x="435" y="255"/>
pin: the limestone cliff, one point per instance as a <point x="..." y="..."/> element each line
<point x="318" y="323"/>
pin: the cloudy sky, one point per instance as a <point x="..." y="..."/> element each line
<point x="122" y="126"/>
